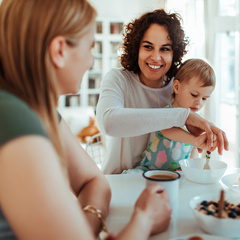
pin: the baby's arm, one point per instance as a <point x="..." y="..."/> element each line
<point x="179" y="135"/>
<point x="194" y="153"/>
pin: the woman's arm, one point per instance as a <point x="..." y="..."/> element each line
<point x="86" y="180"/>
<point x="118" y="116"/>
<point x="197" y="125"/>
<point x="37" y="200"/>
<point x="35" y="196"/>
<point x="116" y="120"/>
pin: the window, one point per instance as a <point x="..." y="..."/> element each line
<point x="212" y="27"/>
<point x="227" y="8"/>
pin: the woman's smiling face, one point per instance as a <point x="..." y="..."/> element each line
<point x="155" y="55"/>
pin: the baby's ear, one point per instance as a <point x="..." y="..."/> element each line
<point x="176" y="85"/>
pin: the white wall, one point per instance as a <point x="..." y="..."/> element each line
<point x="126" y="10"/>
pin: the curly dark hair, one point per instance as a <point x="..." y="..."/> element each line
<point x="134" y="31"/>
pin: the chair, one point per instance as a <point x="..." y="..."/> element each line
<point x="96" y="148"/>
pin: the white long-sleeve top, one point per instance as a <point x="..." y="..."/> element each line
<point x="128" y="111"/>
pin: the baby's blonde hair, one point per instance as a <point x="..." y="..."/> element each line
<point x="197" y="68"/>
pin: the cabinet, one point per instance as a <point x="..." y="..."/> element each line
<point x="105" y="54"/>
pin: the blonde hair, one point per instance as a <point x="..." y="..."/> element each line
<point x="197" y="68"/>
<point x="26" y="29"/>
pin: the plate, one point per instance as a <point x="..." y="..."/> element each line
<point x="231" y="181"/>
<point x="203" y="236"/>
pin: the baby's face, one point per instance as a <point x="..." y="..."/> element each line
<point x="191" y="94"/>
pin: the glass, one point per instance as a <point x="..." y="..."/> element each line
<point x="116" y="27"/>
<point x="226" y="66"/>
<point x="97" y="65"/>
<point x="227" y="8"/>
<point x="72" y="100"/>
<point x="94" y="82"/>
<point x="93" y="99"/>
<point x="225" y="84"/>
<point x="97" y="48"/>
<point x="99" y="27"/>
<point x="114" y="47"/>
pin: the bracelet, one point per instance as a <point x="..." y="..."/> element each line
<point x="92" y="209"/>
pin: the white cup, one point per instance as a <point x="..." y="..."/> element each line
<point x="169" y="180"/>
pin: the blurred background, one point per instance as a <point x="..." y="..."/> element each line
<point x="213" y="29"/>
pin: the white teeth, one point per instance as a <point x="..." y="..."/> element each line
<point x="153" y="66"/>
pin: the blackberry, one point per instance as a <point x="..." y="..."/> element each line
<point x="204" y="203"/>
<point x="226" y="204"/>
<point x="232" y="214"/>
<point x="210" y="213"/>
<point x="238" y="212"/>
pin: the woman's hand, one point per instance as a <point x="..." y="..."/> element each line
<point x="197" y="125"/>
<point x="151" y="215"/>
<point x="154" y="208"/>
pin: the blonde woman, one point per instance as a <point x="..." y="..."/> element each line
<point x="49" y="186"/>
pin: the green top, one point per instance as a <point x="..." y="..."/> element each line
<point x="16" y="119"/>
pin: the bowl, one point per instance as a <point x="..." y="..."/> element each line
<point x="193" y="170"/>
<point x="225" y="227"/>
<point x="232" y="181"/>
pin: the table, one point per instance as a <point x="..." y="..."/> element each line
<point x="127" y="187"/>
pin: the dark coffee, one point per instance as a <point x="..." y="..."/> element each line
<point x="162" y="177"/>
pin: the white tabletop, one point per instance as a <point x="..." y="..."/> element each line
<point x="127" y="187"/>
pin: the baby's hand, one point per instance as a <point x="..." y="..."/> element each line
<point x="201" y="142"/>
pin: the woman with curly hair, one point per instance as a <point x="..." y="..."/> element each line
<point x="134" y="32"/>
<point x="132" y="98"/>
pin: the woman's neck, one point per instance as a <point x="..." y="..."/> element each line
<point x="162" y="82"/>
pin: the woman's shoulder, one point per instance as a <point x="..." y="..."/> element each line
<point x="11" y="105"/>
<point x="117" y="74"/>
<point x="17" y="118"/>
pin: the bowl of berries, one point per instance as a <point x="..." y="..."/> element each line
<point x="217" y="214"/>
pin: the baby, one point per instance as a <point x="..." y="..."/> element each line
<point x="192" y="86"/>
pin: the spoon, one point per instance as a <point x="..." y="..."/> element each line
<point x="206" y="165"/>
<point x="221" y="204"/>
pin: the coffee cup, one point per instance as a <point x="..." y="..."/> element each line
<point x="169" y="180"/>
